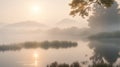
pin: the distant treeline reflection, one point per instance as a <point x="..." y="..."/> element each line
<point x="34" y="45"/>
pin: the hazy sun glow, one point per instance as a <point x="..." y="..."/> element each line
<point x="35" y="9"/>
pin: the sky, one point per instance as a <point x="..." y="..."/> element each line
<point x="44" y="11"/>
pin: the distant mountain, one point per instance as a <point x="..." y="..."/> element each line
<point x="67" y="23"/>
<point x="26" y="25"/>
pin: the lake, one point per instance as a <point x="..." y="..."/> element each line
<point x="86" y="52"/>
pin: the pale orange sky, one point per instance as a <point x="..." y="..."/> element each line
<point x="20" y="10"/>
<point x="50" y="11"/>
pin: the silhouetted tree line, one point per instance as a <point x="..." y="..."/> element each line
<point x="77" y="64"/>
<point x="55" y="64"/>
<point x="106" y="35"/>
<point x="33" y="45"/>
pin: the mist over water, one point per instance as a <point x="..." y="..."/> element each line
<point x="33" y="44"/>
<point x="103" y="22"/>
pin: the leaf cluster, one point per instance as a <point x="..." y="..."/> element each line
<point x="82" y="7"/>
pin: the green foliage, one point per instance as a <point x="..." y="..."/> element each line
<point x="82" y="7"/>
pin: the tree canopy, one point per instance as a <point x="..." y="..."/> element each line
<point x="82" y="7"/>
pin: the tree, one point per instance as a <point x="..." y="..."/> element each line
<point x="104" y="20"/>
<point x="82" y="7"/>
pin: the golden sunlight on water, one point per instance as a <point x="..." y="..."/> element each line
<point x="33" y="60"/>
<point x="36" y="57"/>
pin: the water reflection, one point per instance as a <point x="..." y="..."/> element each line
<point x="106" y="53"/>
<point x="33" y="60"/>
<point x="34" y="45"/>
<point x="36" y="56"/>
<point x="105" y="50"/>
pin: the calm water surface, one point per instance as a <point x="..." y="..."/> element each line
<point x="90" y="51"/>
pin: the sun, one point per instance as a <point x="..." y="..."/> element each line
<point x="35" y="9"/>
